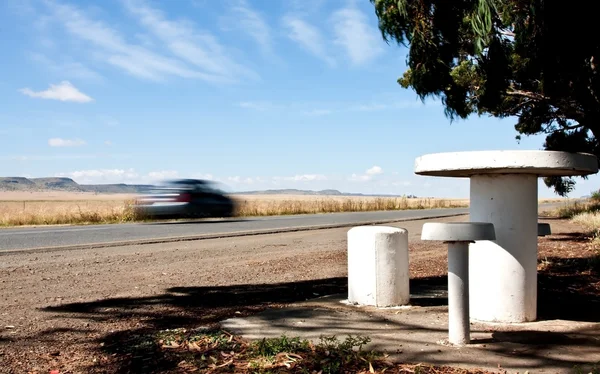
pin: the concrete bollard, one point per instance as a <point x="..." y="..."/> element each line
<point x="378" y="266"/>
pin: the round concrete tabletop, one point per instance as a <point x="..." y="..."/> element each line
<point x="541" y="163"/>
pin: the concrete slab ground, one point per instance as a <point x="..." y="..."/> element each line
<point x="418" y="333"/>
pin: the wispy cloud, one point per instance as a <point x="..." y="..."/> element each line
<point x="100" y="174"/>
<point x="354" y="33"/>
<point x="163" y="174"/>
<point x="59" y="142"/>
<point x="64" y="157"/>
<point x="318" y="112"/>
<point x="391" y="105"/>
<point x="359" y="178"/>
<point x="302" y="178"/>
<point x="108" y="45"/>
<point x="260" y="106"/>
<point x="308" y="108"/>
<point x="118" y="175"/>
<point x="306" y="7"/>
<point x="71" y="69"/>
<point x="193" y="46"/>
<point x="308" y="36"/>
<point x="64" y="91"/>
<point x="253" y="23"/>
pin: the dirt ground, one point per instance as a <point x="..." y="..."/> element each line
<point x="83" y="311"/>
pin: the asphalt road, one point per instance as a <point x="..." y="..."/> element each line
<point x="66" y="236"/>
<point x="41" y="237"/>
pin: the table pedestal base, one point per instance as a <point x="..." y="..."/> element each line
<point x="459" y="329"/>
<point x="503" y="272"/>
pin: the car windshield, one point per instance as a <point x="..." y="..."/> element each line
<point x="173" y="185"/>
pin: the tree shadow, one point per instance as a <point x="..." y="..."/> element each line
<point x="569" y="288"/>
<point x="562" y="295"/>
<point x="570" y="237"/>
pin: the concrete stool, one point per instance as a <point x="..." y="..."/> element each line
<point x="544" y="229"/>
<point x="378" y="266"/>
<point x="458" y="235"/>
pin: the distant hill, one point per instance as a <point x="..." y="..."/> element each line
<point x="65" y="184"/>
<point x="16" y="184"/>
<point x="291" y="191"/>
<point x="69" y="185"/>
<point x="61" y="184"/>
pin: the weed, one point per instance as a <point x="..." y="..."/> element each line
<point x="271" y="347"/>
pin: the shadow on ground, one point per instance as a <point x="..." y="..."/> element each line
<point x="569" y="288"/>
<point x="579" y="237"/>
<point x="189" y="307"/>
<point x="197" y="221"/>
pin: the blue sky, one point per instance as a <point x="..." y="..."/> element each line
<point x="255" y="94"/>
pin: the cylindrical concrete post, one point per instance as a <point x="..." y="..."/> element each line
<point x="503" y="273"/>
<point x="459" y="329"/>
<point x="378" y="266"/>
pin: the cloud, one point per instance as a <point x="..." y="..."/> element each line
<point x="71" y="69"/>
<point x="69" y="156"/>
<point x="360" y="178"/>
<point x="103" y="173"/>
<point x="260" y="106"/>
<point x="206" y="176"/>
<point x="336" y="107"/>
<point x="354" y="33"/>
<point x="308" y="36"/>
<point x="59" y="142"/>
<point x="163" y="174"/>
<point x="118" y="176"/>
<point x="195" y="47"/>
<point x="108" y="45"/>
<point x="64" y="91"/>
<point x="253" y="23"/>
<point x="241" y="180"/>
<point x="370" y="107"/>
<point x="306" y="7"/>
<point x="318" y="112"/>
<point x="108" y="143"/>
<point x="368" y="174"/>
<point x="303" y="178"/>
<point x="390" y="105"/>
<point x="375" y="170"/>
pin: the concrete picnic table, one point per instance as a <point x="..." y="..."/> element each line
<point x="504" y="192"/>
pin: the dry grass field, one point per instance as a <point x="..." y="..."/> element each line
<point x="57" y="207"/>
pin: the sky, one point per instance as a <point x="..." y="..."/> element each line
<point x="254" y="94"/>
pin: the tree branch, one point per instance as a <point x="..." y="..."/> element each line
<point x="565" y="110"/>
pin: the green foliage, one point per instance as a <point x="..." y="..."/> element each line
<point x="270" y="347"/>
<point x="531" y="60"/>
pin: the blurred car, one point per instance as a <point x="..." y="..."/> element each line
<point x="184" y="198"/>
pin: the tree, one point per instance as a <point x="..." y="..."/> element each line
<point x="535" y="60"/>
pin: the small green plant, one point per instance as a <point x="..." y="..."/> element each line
<point x="272" y="346"/>
<point x="334" y="354"/>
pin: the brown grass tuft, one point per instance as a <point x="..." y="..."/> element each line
<point x="20" y="213"/>
<point x="297" y="205"/>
